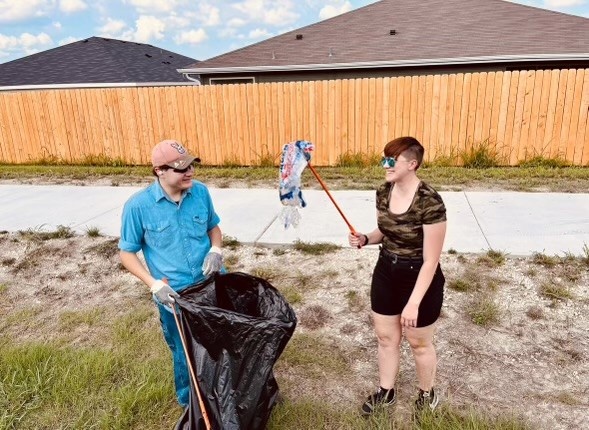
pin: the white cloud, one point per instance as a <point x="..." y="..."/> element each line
<point x="112" y="27"/>
<point x="268" y="11"/>
<point x="259" y="33"/>
<point x="563" y="3"/>
<point x="152" y="6"/>
<point x="208" y="14"/>
<point x="67" y="41"/>
<point x="57" y="25"/>
<point x="192" y="37"/>
<point x="236" y="23"/>
<point x="148" y="28"/>
<point x="18" y="10"/>
<point x="27" y="42"/>
<point x="71" y="6"/>
<point x="329" y="11"/>
<point x="176" y="21"/>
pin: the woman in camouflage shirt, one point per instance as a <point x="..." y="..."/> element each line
<point x="407" y="283"/>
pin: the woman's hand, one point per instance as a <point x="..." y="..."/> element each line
<point x="409" y="315"/>
<point x="357" y="240"/>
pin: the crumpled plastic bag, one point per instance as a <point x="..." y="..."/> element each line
<point x="295" y="157"/>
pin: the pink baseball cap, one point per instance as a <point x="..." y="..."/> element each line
<point x="171" y="153"/>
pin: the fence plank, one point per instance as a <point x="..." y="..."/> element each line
<point x="582" y="147"/>
<point x="575" y="112"/>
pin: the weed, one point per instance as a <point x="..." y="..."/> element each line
<point x="93" y="232"/>
<point x="479" y="156"/>
<point x="3" y="288"/>
<point x="314" y="317"/>
<point x="230" y="242"/>
<point x="292" y="295"/>
<point x="8" y="261"/>
<point x="62" y="232"/>
<point x="278" y="251"/>
<point x="566" y="398"/>
<point x="231" y="162"/>
<point x="266" y="273"/>
<point x="354" y="300"/>
<point x="452" y="251"/>
<point x="461" y="285"/>
<point x="231" y="261"/>
<point x="555" y="292"/>
<point x="105" y="249"/>
<point x="462" y="259"/>
<point x="265" y="159"/>
<point x="535" y="313"/>
<point x="585" y="257"/>
<point x="542" y="259"/>
<point x="358" y="159"/>
<point x="484" y="311"/>
<point x="540" y="161"/>
<point x="492" y="258"/>
<point x="315" y="248"/>
<point x="100" y="160"/>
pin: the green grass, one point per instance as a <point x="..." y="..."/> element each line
<point x="315" y="248"/>
<point x="47" y="385"/>
<point x="483" y="311"/>
<point x="36" y="234"/>
<point x="93" y="232"/>
<point x="354" y="175"/>
<point x="555" y="292"/>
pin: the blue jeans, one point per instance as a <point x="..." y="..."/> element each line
<point x="172" y="336"/>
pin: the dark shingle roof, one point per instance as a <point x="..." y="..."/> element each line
<point x="95" y="60"/>
<point x="424" y="30"/>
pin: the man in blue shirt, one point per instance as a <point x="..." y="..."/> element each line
<point x="173" y="222"/>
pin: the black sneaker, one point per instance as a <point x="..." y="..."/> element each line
<point x="427" y="399"/>
<point x="381" y="398"/>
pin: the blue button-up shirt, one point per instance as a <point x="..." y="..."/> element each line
<point x="173" y="237"/>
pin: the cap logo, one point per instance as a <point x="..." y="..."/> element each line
<point x="178" y="148"/>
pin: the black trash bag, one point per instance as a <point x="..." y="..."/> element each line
<point x="235" y="326"/>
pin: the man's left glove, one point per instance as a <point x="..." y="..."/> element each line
<point x="163" y="292"/>
<point x="213" y="261"/>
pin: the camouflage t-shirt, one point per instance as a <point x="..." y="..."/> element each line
<point x="403" y="233"/>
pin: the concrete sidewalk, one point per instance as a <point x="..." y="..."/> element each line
<point x="511" y="222"/>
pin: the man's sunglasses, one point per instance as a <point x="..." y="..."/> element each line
<point x="182" y="171"/>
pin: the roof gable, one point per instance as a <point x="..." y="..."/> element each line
<point x="408" y="30"/>
<point x="95" y="60"/>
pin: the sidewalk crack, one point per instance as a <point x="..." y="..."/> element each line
<point x="477" y="221"/>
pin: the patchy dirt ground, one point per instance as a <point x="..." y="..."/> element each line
<point x="532" y="361"/>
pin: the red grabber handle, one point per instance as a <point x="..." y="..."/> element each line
<point x="352" y="229"/>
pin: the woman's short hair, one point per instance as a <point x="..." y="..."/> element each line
<point x="406" y="144"/>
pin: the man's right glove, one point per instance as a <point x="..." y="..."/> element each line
<point x="163" y="292"/>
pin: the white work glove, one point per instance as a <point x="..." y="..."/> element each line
<point x="213" y="261"/>
<point x="163" y="292"/>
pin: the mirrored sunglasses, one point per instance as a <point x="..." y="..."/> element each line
<point x="388" y="162"/>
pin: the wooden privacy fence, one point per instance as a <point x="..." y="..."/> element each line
<point x="520" y="115"/>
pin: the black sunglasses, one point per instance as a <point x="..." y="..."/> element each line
<point x="190" y="166"/>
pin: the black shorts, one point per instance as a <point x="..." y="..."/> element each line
<point x="392" y="285"/>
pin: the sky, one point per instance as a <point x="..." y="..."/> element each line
<point x="197" y="29"/>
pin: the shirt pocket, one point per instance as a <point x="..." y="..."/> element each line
<point x="198" y="224"/>
<point x="157" y="234"/>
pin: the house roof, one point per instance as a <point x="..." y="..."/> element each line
<point x="409" y="32"/>
<point x="95" y="60"/>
